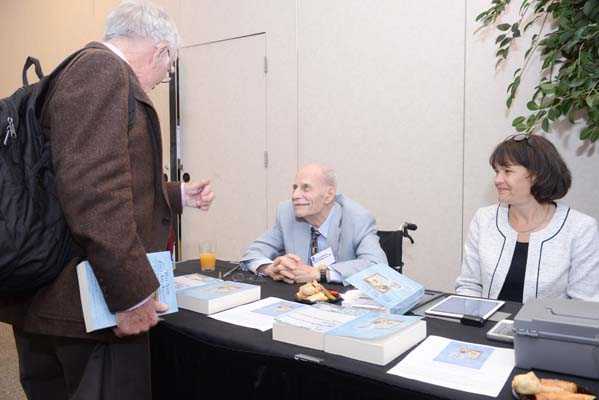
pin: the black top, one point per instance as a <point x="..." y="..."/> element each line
<point x="513" y="287"/>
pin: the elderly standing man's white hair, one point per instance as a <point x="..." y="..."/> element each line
<point x="142" y="19"/>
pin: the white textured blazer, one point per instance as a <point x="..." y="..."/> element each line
<point x="563" y="257"/>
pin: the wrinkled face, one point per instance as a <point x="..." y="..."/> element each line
<point x="158" y="63"/>
<point x="513" y="183"/>
<point x="163" y="65"/>
<point x="311" y="194"/>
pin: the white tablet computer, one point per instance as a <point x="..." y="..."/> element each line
<point x="458" y="306"/>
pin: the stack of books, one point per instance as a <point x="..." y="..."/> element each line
<point x="372" y="337"/>
<point x="394" y="291"/>
<point x="207" y="295"/>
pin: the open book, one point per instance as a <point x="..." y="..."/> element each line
<point x="95" y="310"/>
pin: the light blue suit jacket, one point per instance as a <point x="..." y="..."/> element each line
<point x="352" y="238"/>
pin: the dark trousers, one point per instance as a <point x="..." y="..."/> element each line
<point x="61" y="368"/>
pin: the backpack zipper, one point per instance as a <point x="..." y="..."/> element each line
<point x="10" y="130"/>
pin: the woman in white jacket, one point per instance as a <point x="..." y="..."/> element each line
<point x="530" y="246"/>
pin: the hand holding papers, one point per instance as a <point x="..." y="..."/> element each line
<point x="95" y="310"/>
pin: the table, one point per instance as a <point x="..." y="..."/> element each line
<point x="197" y="357"/>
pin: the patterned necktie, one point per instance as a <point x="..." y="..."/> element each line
<point x="314" y="242"/>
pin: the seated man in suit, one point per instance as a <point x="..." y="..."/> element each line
<point x="318" y="235"/>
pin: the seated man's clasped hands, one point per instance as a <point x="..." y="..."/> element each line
<point x="290" y="268"/>
<point x="318" y="235"/>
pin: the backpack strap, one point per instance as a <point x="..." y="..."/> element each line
<point x="38" y="69"/>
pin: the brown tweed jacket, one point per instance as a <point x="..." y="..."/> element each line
<point x="111" y="190"/>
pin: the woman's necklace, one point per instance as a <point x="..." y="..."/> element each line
<point x="537" y="226"/>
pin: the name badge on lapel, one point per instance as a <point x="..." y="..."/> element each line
<point x="325" y="257"/>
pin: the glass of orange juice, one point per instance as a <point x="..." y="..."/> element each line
<point x="207" y="255"/>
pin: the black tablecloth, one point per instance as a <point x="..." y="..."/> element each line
<point x="197" y="357"/>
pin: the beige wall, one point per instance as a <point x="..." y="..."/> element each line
<point x="401" y="96"/>
<point x="369" y="85"/>
<point x="488" y="121"/>
<point x="55" y="29"/>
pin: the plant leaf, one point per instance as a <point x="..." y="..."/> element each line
<point x="586" y="133"/>
<point x="545" y="125"/>
<point x="592" y="100"/>
<point x="518" y="121"/>
<point x="589" y="7"/>
<point x="547" y="88"/>
<point x="521" y="128"/>
<point x="554" y="113"/>
<point x="503" y="27"/>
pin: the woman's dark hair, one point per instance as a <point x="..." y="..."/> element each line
<point x="552" y="178"/>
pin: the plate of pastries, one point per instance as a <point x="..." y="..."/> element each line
<point x="313" y="292"/>
<point x="530" y="387"/>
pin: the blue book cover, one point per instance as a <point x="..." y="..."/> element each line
<point x="374" y="325"/>
<point x="190" y="281"/>
<point x="95" y="310"/>
<point x="387" y="287"/>
<point x="217" y="288"/>
<point x="217" y="295"/>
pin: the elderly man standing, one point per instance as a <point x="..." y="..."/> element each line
<point x="318" y="235"/>
<point x="118" y="208"/>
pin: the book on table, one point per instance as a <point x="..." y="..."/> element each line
<point x="189" y="281"/>
<point x="307" y="326"/>
<point x="374" y="337"/>
<point x="387" y="287"/>
<point x="96" y="314"/>
<point x="213" y="295"/>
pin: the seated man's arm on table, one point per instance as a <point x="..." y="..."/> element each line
<point x="264" y="250"/>
<point x="469" y="282"/>
<point x="367" y="249"/>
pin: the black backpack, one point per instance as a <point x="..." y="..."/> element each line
<point x="35" y="241"/>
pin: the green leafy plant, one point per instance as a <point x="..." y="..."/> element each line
<point x="567" y="36"/>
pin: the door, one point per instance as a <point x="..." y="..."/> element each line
<point x="223" y="137"/>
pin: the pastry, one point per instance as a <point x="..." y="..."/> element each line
<point x="563" y="385"/>
<point x="563" y="396"/>
<point x="547" y="389"/>
<point x="526" y="383"/>
<point x="314" y="291"/>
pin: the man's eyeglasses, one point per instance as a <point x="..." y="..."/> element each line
<point x="167" y="79"/>
<point x="172" y="60"/>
